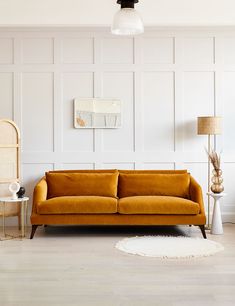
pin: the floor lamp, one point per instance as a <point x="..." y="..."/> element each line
<point x="209" y="126"/>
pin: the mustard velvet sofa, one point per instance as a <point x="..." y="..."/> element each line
<point x="118" y="197"/>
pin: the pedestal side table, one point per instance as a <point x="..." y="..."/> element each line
<point x="216" y="226"/>
<point x="23" y="207"/>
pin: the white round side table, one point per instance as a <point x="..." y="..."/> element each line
<point x="23" y="206"/>
<point x="216" y="226"/>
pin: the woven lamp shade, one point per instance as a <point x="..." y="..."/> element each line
<point x="209" y="125"/>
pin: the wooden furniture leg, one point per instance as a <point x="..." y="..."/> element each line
<point x="202" y="228"/>
<point x="34" y="227"/>
<point x="19" y="221"/>
<point x="19" y="216"/>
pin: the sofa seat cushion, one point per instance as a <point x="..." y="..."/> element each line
<point x="157" y="205"/>
<point x="78" y="205"/>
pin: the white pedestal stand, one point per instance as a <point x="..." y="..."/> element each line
<point x="216" y="226"/>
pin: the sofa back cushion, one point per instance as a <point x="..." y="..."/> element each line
<point x="159" y="171"/>
<point x="82" y="184"/>
<point x="176" y="185"/>
<point x="85" y="171"/>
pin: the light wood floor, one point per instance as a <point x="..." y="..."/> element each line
<point x="80" y="266"/>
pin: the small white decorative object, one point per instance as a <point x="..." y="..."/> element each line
<point x="14" y="188"/>
<point x="97" y="113"/>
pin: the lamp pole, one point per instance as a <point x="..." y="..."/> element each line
<point x="208" y="182"/>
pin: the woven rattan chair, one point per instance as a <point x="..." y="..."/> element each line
<point x="9" y="165"/>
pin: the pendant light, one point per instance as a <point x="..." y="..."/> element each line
<point x="127" y="21"/>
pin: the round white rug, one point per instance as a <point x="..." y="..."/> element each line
<point x="169" y="246"/>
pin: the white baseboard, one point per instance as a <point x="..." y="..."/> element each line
<point x="228" y="217"/>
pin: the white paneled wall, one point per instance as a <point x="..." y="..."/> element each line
<point x="165" y="79"/>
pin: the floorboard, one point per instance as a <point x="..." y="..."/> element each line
<point x="76" y="266"/>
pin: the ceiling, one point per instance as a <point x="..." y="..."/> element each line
<point x="100" y="12"/>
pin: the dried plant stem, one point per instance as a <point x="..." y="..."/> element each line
<point x="214" y="159"/>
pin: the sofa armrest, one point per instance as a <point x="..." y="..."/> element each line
<point x="195" y="192"/>
<point x="39" y="194"/>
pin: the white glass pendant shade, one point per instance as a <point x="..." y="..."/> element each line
<point x="127" y="21"/>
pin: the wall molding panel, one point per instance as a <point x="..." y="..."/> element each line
<point x="165" y="79"/>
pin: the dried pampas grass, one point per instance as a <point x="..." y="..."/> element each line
<point x="215" y="159"/>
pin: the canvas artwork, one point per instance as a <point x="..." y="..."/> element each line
<point x="97" y="113"/>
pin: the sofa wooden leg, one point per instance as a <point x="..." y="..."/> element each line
<point x="34" y="227"/>
<point x="202" y="228"/>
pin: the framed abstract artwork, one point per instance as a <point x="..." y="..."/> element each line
<point x="97" y="113"/>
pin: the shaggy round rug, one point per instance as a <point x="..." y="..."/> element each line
<point x="169" y="246"/>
